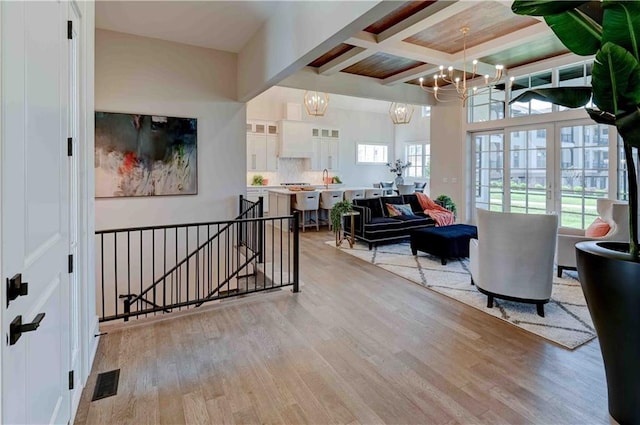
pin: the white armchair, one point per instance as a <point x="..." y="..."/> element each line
<point x="615" y="213"/>
<point x="512" y="258"/>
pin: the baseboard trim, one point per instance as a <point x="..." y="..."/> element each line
<point x="95" y="333"/>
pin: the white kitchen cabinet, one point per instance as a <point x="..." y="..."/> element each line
<point x="256" y="152"/>
<point x="272" y="152"/>
<point x="262" y="146"/>
<point x="326" y="146"/>
<point x="295" y="139"/>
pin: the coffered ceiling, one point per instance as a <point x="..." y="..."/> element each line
<point x="379" y="54"/>
<point x="419" y="36"/>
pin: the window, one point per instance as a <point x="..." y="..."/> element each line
<point x="419" y="155"/>
<point x="372" y="154"/>
<point x="524" y="83"/>
<point x="575" y="75"/>
<point x="487" y="106"/>
<point x="623" y="190"/>
<point x="489" y="171"/>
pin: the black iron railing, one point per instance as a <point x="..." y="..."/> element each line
<point x="160" y="269"/>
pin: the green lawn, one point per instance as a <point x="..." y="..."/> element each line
<point x="571" y="209"/>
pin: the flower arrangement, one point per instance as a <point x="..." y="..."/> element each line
<point x="398" y="166"/>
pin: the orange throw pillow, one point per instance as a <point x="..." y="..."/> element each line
<point x="597" y="229"/>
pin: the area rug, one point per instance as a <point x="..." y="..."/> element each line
<point x="566" y="322"/>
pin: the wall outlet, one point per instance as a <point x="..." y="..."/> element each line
<point x="445" y="180"/>
<point x="454" y="180"/>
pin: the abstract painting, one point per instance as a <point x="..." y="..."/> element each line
<point x="145" y="155"/>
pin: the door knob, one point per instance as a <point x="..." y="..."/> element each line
<point x="17" y="328"/>
<point x="16" y="287"/>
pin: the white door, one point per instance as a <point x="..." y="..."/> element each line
<point x="35" y="209"/>
<point x="545" y="168"/>
<point x="530" y="170"/>
<point x="74" y="204"/>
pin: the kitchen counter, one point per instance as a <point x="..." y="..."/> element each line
<point x="281" y="200"/>
<point x="282" y="191"/>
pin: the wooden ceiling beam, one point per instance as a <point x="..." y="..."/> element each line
<point x="345" y="60"/>
<point x="363" y="39"/>
<point x="357" y="86"/>
<point x="410" y="74"/>
<point x="390" y="42"/>
<point x="508" y="41"/>
<point x="514" y="39"/>
<point x="424" y="19"/>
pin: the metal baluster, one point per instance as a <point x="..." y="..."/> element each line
<point x="164" y="269"/>
<point x="115" y="269"/>
<point x="153" y="266"/>
<point x="296" y="252"/>
<point x="186" y="253"/>
<point x="102" y="269"/>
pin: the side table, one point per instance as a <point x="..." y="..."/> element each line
<point x="340" y="236"/>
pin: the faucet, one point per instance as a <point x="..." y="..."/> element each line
<point x="325" y="180"/>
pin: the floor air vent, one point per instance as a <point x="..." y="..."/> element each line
<point x="106" y="384"/>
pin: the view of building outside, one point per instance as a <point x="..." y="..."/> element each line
<point x="529" y="181"/>
<point x="419" y="155"/>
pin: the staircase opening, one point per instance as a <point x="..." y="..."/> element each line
<point x="148" y="271"/>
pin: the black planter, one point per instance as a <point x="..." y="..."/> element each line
<point x="610" y="280"/>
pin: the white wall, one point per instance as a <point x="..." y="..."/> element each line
<point x="369" y="124"/>
<point x="448" y="154"/>
<point x="143" y="75"/>
<point x="417" y="130"/>
<point x="297" y="33"/>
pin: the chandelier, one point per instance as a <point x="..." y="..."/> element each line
<point x="400" y="113"/>
<point x="451" y="86"/>
<point x="316" y="103"/>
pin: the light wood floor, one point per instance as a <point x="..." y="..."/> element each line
<point x="357" y="345"/>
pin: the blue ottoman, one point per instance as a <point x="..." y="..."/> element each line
<point x="444" y="242"/>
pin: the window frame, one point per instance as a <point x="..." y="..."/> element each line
<point x="425" y="158"/>
<point x="386" y="146"/>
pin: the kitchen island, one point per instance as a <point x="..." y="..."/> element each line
<point x="281" y="200"/>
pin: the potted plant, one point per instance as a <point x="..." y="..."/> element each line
<point x="609" y="273"/>
<point x="446" y="202"/>
<point x="257" y="180"/>
<point x="337" y="211"/>
<point x="398" y="167"/>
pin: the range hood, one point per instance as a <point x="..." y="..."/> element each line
<point x="293" y="111"/>
<point x="294" y="139"/>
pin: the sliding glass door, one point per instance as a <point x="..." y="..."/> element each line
<point x="489" y="170"/>
<point x="530" y="186"/>
<point x="546" y="168"/>
<point x="584" y="172"/>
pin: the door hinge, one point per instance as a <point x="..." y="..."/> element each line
<point x="70" y="30"/>
<point x="70" y="263"/>
<point x="69" y="146"/>
<point x="70" y="379"/>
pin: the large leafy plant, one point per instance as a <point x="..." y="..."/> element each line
<point x="338" y="209"/>
<point x="614" y="38"/>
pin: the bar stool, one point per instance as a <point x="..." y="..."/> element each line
<point x="351" y="194"/>
<point x="387" y="187"/>
<point x="307" y="201"/>
<point x="419" y="186"/>
<point x="405" y="189"/>
<point x="372" y="193"/>
<point x="328" y="199"/>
